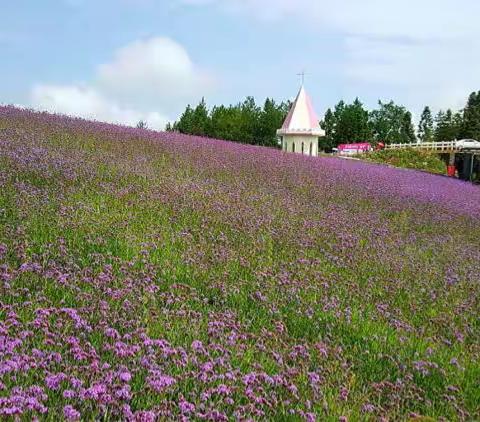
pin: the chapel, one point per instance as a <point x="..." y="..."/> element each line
<point x="301" y="129"/>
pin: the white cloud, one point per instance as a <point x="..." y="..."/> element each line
<point x="90" y="104"/>
<point x="415" y="19"/>
<point x="149" y="74"/>
<point x="425" y="48"/>
<point x="154" y="71"/>
<point x="436" y="73"/>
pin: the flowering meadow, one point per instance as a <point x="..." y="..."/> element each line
<point x="154" y="276"/>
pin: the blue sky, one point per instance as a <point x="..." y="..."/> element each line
<point x="127" y="60"/>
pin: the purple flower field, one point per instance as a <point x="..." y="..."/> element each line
<point x="154" y="276"/>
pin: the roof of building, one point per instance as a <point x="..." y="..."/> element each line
<point x="301" y="118"/>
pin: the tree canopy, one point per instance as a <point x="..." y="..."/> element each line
<point x="389" y="123"/>
<point x="392" y="124"/>
<point x="447" y="126"/>
<point x="425" y="127"/>
<point x="347" y="123"/>
<point x="470" y="125"/>
<point x="244" y="122"/>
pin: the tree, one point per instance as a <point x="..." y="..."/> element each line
<point x="142" y="124"/>
<point x="351" y="123"/>
<point x="392" y="124"/>
<point x="407" y="130"/>
<point x="425" y="127"/>
<point x="328" y="125"/>
<point x="270" y="119"/>
<point x="185" y="123"/>
<point x="471" y="118"/>
<point x="244" y="122"/>
<point x="249" y="119"/>
<point x="347" y="123"/>
<point x="200" y="123"/>
<point x="448" y="126"/>
<point x="223" y="121"/>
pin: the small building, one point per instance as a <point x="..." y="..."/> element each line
<point x="301" y="129"/>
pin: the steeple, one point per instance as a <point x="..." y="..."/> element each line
<point x="301" y="118"/>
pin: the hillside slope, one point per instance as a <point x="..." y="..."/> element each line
<point x="147" y="275"/>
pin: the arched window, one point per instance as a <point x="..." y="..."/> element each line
<point x="293" y="146"/>
<point x="311" y="148"/>
<point x="303" y="148"/>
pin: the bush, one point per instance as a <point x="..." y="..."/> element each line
<point x="409" y="158"/>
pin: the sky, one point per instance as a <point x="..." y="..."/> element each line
<point x="129" y="60"/>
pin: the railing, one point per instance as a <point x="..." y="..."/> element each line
<point x="427" y="146"/>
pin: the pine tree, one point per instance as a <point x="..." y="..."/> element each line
<point x="200" y="120"/>
<point x="221" y="120"/>
<point x="348" y="123"/>
<point x="357" y="121"/>
<point x="471" y="118"/>
<point x="185" y="123"/>
<point x="407" y="131"/>
<point x="425" y="127"/>
<point x="328" y="125"/>
<point x="448" y="126"/>
<point x="457" y="124"/>
<point x="250" y="116"/>
<point x="270" y="119"/>
<point x="142" y="124"/>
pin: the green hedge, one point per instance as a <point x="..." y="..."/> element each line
<point x="409" y="158"/>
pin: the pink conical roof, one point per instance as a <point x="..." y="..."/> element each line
<point x="301" y="117"/>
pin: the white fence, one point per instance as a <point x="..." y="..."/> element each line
<point x="449" y="146"/>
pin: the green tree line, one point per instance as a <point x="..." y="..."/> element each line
<point x="245" y="122"/>
<point x="249" y="123"/>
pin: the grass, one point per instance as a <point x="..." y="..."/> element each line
<point x="219" y="264"/>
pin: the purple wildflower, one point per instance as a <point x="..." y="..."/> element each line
<point x="70" y="413"/>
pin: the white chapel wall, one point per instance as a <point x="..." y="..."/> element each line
<point x="289" y="141"/>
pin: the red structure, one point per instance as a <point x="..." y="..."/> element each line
<point x="451" y="170"/>
<point x="353" y="149"/>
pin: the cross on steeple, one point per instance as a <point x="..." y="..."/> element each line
<point x="302" y="74"/>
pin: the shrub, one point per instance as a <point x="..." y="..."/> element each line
<point x="409" y="158"/>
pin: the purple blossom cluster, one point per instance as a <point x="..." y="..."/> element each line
<point x="152" y="276"/>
